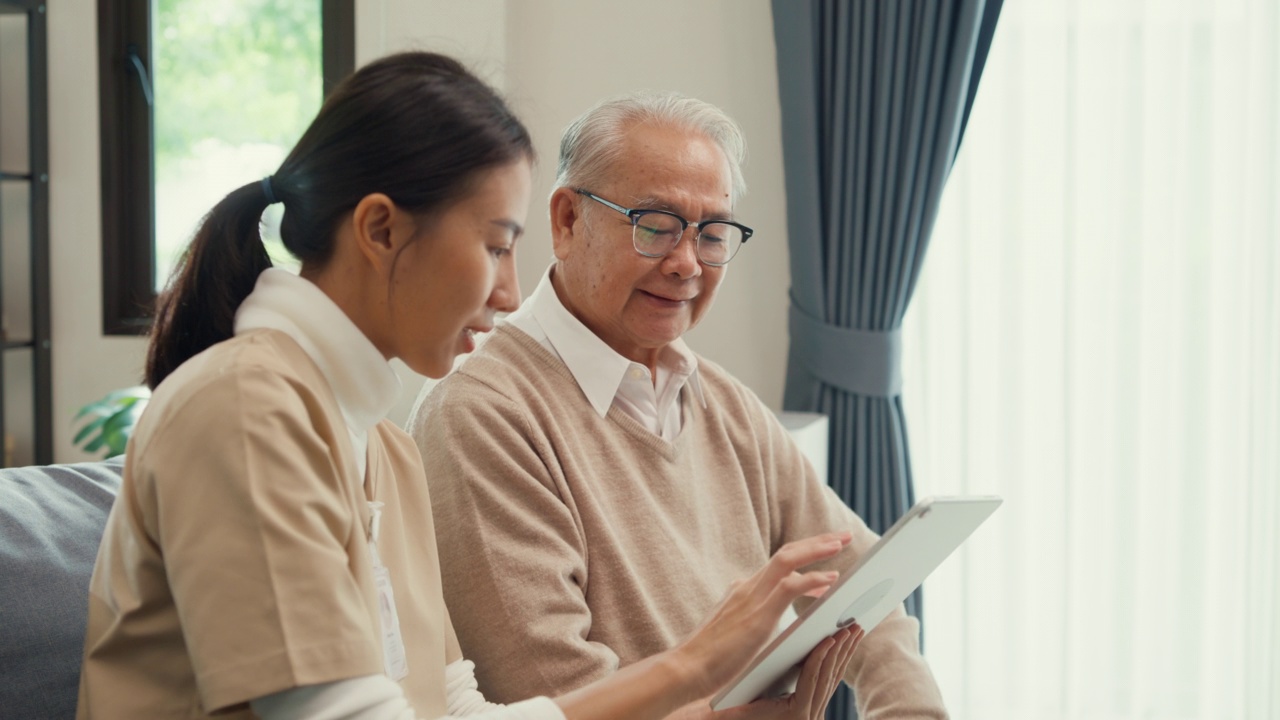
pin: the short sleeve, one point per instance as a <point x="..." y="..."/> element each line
<point x="261" y="538"/>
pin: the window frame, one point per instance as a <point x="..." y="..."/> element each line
<point x="127" y="150"/>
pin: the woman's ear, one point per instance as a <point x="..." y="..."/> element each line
<point x="564" y="218"/>
<point x="381" y="229"/>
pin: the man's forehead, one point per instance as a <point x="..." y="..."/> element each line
<point x="660" y="166"/>
<point x="662" y="143"/>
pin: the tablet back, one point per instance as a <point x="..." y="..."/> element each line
<point x="886" y="574"/>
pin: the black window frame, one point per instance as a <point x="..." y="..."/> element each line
<point x="128" y="162"/>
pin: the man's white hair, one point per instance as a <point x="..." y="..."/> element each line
<point x="593" y="142"/>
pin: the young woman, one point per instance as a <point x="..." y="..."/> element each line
<point x="271" y="552"/>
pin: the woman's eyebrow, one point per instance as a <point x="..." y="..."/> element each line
<point x="516" y="228"/>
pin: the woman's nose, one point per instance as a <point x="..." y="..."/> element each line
<point x="506" y="291"/>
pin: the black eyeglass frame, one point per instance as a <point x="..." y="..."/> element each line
<point x="634" y="215"/>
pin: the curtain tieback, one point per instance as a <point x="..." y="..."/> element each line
<point x="863" y="362"/>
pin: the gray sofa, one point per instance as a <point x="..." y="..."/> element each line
<point x="51" y="520"/>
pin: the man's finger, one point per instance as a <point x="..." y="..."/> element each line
<point x="808" y="688"/>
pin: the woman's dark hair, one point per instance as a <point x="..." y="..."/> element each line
<point x="417" y="127"/>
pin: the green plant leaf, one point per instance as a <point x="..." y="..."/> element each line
<point x="121" y="422"/>
<point x="130" y="394"/>
<point x="97" y="409"/>
<point x="111" y="420"/>
<point x="88" y="428"/>
<point x="135" y="412"/>
<point x="116" y="442"/>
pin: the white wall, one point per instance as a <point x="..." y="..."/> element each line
<point x="86" y="365"/>
<point x="553" y="59"/>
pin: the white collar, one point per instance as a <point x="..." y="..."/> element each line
<point x="598" y="369"/>
<point x="361" y="378"/>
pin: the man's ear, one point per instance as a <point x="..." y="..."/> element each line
<point x="379" y="227"/>
<point x="564" y="221"/>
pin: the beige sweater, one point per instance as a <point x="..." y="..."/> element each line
<point x="573" y="544"/>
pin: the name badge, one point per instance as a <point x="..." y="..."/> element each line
<point x="393" y="656"/>
<point x="394" y="660"/>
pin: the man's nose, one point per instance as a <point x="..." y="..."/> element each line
<point x="682" y="261"/>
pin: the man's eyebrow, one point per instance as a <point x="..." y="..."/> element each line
<point x="653" y="203"/>
<point x="516" y="229"/>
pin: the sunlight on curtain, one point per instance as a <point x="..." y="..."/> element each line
<point x="1096" y="337"/>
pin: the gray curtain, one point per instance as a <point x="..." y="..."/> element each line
<point x="875" y="95"/>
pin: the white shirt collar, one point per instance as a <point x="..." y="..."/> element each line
<point x="361" y="378"/>
<point x="598" y="369"/>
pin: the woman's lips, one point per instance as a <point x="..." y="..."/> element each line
<point x="467" y="337"/>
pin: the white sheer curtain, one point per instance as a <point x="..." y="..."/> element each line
<point x="1096" y="337"/>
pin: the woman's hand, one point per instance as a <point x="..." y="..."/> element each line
<point x="748" y="617"/>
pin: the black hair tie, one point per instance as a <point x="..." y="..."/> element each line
<point x="266" y="190"/>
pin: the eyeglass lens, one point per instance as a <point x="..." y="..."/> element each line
<point x="656" y="234"/>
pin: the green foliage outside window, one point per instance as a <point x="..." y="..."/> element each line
<point x="239" y="71"/>
<point x="236" y="83"/>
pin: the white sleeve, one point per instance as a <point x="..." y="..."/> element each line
<point x="462" y="691"/>
<point x="372" y="697"/>
<point x="466" y="700"/>
<point x="378" y="697"/>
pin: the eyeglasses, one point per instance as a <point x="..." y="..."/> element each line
<point x="654" y="233"/>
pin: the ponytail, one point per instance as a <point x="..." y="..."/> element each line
<point x="416" y="126"/>
<point x="216" y="273"/>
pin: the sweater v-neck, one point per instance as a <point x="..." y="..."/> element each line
<point x="670" y="450"/>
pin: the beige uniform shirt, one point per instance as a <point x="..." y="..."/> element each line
<point x="236" y="560"/>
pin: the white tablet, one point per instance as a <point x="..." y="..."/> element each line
<point x="885" y="575"/>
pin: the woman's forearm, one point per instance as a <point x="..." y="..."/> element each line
<point x="652" y="688"/>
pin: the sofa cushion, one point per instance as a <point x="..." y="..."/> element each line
<point x="51" y="521"/>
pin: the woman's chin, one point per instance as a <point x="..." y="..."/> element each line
<point x="433" y="367"/>
<point x="443" y="362"/>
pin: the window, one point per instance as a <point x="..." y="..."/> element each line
<point x="199" y="97"/>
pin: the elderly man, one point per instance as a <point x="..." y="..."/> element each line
<point x="597" y="485"/>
